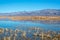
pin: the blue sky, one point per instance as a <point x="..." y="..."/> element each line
<point x="27" y="5"/>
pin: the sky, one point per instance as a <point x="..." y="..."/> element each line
<point x="7" y="6"/>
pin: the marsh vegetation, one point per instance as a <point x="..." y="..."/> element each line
<point x="32" y="33"/>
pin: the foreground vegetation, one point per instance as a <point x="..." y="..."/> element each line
<point x="29" y="34"/>
<point x="31" y="17"/>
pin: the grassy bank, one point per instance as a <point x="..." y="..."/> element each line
<point x="31" y="17"/>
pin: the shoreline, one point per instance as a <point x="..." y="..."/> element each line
<point x="54" y="18"/>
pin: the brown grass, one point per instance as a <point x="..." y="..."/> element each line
<point x="32" y="17"/>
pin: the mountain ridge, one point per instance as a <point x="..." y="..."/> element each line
<point x="44" y="12"/>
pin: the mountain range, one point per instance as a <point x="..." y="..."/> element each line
<point x="45" y="12"/>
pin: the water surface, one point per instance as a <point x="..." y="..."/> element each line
<point x="26" y="24"/>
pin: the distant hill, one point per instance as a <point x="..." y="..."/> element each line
<point x="45" y="12"/>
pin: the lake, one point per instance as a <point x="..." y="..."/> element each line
<point x="23" y="25"/>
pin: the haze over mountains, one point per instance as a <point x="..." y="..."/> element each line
<point x="45" y="12"/>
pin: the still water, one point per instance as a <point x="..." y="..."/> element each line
<point x="27" y="24"/>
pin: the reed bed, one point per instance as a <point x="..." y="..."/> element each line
<point x="33" y="33"/>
